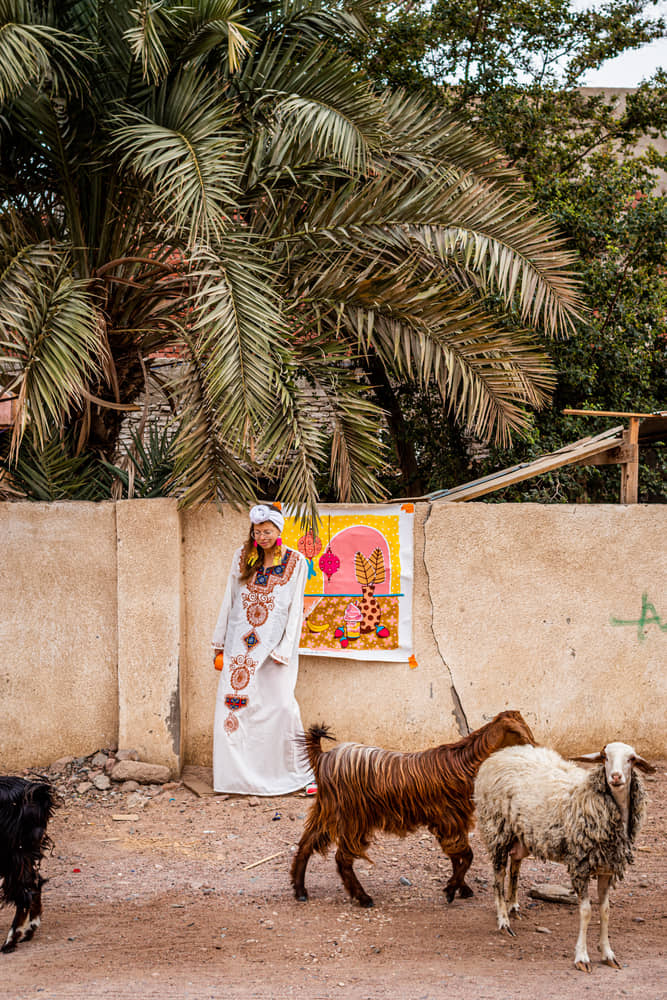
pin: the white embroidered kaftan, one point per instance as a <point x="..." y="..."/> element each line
<point x="256" y="714"/>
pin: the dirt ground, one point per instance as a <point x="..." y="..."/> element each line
<point x="169" y="905"/>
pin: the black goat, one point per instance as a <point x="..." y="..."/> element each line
<point x="25" y="810"/>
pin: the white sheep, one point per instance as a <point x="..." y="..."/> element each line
<point x="531" y="801"/>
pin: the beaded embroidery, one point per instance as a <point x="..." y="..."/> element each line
<point x="234" y="702"/>
<point x="251" y="639"/>
<point x="241" y="670"/>
<point x="265" y="579"/>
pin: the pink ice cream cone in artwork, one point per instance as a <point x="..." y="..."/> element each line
<point x="352" y="618"/>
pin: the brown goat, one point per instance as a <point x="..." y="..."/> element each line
<point x="362" y="789"/>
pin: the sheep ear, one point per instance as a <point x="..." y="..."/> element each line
<point x="642" y="764"/>
<point x="591" y="758"/>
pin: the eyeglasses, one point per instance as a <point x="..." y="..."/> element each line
<point x="265" y="534"/>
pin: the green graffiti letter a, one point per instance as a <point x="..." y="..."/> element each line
<point x="649" y="616"/>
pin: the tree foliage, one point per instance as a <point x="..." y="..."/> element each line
<point x="514" y="72"/>
<point x="225" y="183"/>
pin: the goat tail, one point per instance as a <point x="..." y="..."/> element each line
<point x="311" y="744"/>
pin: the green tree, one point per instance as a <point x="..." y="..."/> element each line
<point x="224" y="181"/>
<point x="513" y="71"/>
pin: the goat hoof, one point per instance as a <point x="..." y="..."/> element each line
<point x="465" y="892"/>
<point x="449" y="893"/>
<point x="302" y="897"/>
<point x="613" y="963"/>
<point x="366" y="902"/>
<point x="583" y="966"/>
<point x="7" y="947"/>
<point x="509" y="930"/>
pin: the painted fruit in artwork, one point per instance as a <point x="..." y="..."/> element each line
<point x="317" y="628"/>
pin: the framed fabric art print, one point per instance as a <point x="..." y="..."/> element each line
<point x="358" y="601"/>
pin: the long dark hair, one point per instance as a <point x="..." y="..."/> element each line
<point x="249" y="550"/>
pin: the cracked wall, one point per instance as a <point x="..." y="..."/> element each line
<point x="539" y="608"/>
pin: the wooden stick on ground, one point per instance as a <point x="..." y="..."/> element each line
<point x="269" y="857"/>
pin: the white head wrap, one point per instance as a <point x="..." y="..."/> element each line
<point x="260" y="513"/>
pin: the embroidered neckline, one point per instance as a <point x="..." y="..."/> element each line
<point x="263" y="573"/>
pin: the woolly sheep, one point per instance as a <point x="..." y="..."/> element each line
<point x="531" y="801"/>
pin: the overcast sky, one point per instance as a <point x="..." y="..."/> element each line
<point x="631" y="68"/>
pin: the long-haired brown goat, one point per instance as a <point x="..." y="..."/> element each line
<point x="362" y="789"/>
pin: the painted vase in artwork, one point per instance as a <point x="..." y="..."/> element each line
<point x="370" y="609"/>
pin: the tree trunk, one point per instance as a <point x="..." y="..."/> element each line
<point x="386" y="398"/>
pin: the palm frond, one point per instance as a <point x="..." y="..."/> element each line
<point x="347" y="417"/>
<point x="291" y="447"/>
<point x="50" y="345"/>
<point x="424" y="136"/>
<point x="316" y="106"/>
<point x="211" y="24"/>
<point x="188" y="152"/>
<point x="52" y="471"/>
<point x="204" y="469"/>
<point x="486" y="375"/>
<point x="238" y="330"/>
<point x="314" y="20"/>
<point x="514" y="253"/>
<point x="35" y="53"/>
<point x="154" y="23"/>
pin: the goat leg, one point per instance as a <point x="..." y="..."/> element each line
<point x="461" y="856"/>
<point x="354" y="887"/>
<point x="35" y="909"/>
<point x="18" y="930"/>
<point x="311" y="840"/>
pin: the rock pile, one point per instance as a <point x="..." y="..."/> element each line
<point x="110" y="775"/>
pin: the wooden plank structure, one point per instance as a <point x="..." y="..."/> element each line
<point x="618" y="445"/>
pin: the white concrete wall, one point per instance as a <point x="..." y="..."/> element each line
<point x="108" y="610"/>
<point x="58" y="631"/>
<point x="523" y="601"/>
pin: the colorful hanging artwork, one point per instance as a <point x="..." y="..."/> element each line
<point x="358" y="600"/>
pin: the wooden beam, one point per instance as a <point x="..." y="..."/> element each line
<point x="630" y="468"/>
<point x="608" y="413"/>
<point x="557" y="460"/>
<point x="617" y="456"/>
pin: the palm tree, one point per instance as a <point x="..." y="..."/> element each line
<point x="222" y="181"/>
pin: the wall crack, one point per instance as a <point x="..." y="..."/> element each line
<point x="458" y="711"/>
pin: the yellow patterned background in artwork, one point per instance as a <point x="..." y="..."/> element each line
<point x="386" y="524"/>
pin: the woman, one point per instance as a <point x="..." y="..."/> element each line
<point x="257" y="718"/>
